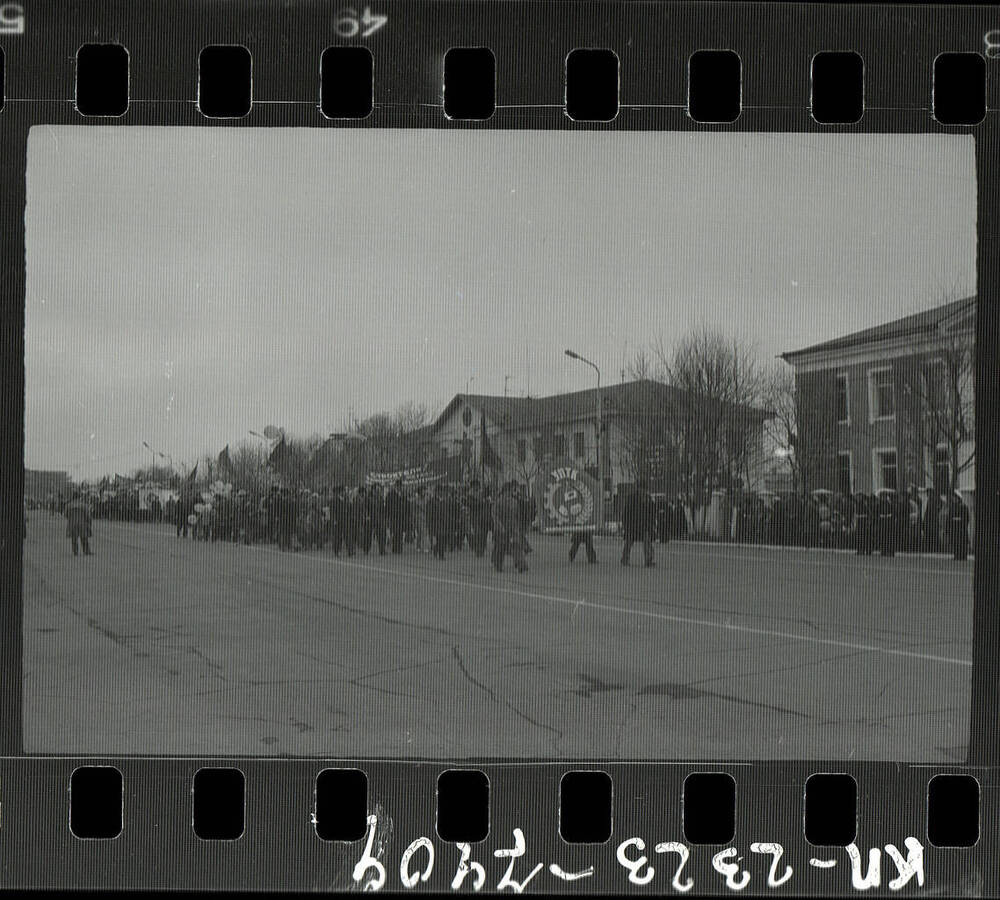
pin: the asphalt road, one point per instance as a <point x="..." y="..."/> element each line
<point x="160" y="646"/>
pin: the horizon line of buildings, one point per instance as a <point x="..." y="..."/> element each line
<point x="872" y="423"/>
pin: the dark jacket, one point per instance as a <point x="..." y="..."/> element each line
<point x="437" y="515"/>
<point x="77" y="519"/>
<point x="376" y="510"/>
<point x="395" y="510"/>
<point x="638" y="516"/>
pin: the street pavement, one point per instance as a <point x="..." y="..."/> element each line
<point x="163" y="646"/>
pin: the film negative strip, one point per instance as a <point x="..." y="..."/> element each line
<point x="449" y="282"/>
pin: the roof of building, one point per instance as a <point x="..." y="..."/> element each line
<point x="538" y="412"/>
<point x="922" y="323"/>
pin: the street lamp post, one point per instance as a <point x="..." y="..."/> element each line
<point x="600" y="431"/>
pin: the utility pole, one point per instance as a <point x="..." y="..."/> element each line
<point x="506" y="378"/>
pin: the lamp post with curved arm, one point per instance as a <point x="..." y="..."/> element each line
<point x="600" y="431"/>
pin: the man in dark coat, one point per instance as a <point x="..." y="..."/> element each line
<point x="185" y="508"/>
<point x="930" y="521"/>
<point x="886" y="518"/>
<point x="585" y="538"/>
<point x="339" y="521"/>
<point x="377" y="517"/>
<point x="286" y="514"/>
<point x="508" y="524"/>
<point x="478" y="518"/>
<point x="453" y="506"/>
<point x="863" y="542"/>
<point x="639" y="523"/>
<point x="959" y="527"/>
<point x="271" y="504"/>
<point x="395" y="513"/>
<point x="810" y="522"/>
<point x="361" y="520"/>
<point x="78" y="524"/>
<point x="438" y="521"/>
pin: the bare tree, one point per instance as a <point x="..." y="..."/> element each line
<point x="715" y="421"/>
<point x="940" y="393"/>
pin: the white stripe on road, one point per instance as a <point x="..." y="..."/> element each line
<point x="649" y="614"/>
<point x="684" y="620"/>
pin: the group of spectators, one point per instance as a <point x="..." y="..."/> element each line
<point x="888" y="521"/>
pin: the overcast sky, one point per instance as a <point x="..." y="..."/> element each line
<point x="186" y="285"/>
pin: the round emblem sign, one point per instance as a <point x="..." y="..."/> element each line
<point x="569" y="500"/>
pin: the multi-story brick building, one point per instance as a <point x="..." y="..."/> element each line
<point x="896" y="402"/>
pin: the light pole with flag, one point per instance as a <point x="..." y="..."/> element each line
<point x="600" y="431"/>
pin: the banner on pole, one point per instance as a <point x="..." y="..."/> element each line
<point x="567" y="498"/>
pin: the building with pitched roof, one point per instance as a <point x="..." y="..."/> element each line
<point x="525" y="431"/>
<point x="900" y="401"/>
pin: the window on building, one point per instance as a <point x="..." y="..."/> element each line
<point x="578" y="445"/>
<point x="844" y="474"/>
<point x="843" y="403"/>
<point x="942" y="469"/>
<point x="559" y="445"/>
<point x="522" y="451"/>
<point x="538" y="448"/>
<point x="936" y="385"/>
<point x="882" y="394"/>
<point x="885" y="469"/>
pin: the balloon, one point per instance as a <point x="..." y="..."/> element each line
<point x="272" y="432"/>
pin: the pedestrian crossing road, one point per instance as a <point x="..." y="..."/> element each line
<point x="162" y="646"/>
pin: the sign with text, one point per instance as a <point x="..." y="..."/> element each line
<point x="567" y="498"/>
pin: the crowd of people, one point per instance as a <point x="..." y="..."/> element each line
<point x="887" y="521"/>
<point x="442" y="519"/>
<point x="436" y="520"/>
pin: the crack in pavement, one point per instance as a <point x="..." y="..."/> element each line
<point x="791" y="668"/>
<point x="364" y="613"/>
<point x="490" y="693"/>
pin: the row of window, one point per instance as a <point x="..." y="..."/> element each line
<point x="538" y="449"/>
<point x="881" y="396"/>
<point x="882" y="392"/>
<point x="885" y="470"/>
<point x="558" y="447"/>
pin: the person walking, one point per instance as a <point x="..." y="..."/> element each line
<point x="419" y="504"/>
<point x="863" y="542"/>
<point x="930" y="522"/>
<point x="78" y="524"/>
<point x="885" y="512"/>
<point x="508" y="534"/>
<point x="286" y="512"/>
<point x="638" y="524"/>
<point x="585" y="538"/>
<point x="338" y="519"/>
<point x="959" y="527"/>
<point x="478" y="518"/>
<point x="377" y="517"/>
<point x="438" y="521"/>
<point x="395" y="513"/>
